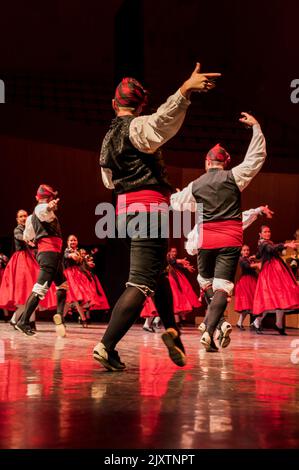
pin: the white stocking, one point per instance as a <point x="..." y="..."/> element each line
<point x="148" y="322"/>
<point x="17" y="315"/>
<point x="279" y="318"/>
<point x="258" y="321"/>
<point x="241" y="319"/>
<point x="80" y="311"/>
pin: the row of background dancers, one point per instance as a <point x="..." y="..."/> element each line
<point x="267" y="284"/>
<point x="19" y="274"/>
<point x="274" y="289"/>
<point x="253" y="295"/>
<point x="85" y="292"/>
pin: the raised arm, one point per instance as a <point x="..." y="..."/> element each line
<point x="148" y="133"/>
<point x="250" y="216"/>
<point x="255" y="156"/>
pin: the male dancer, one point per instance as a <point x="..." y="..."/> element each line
<point x="219" y="190"/>
<point x="43" y="226"/>
<point x="132" y="165"/>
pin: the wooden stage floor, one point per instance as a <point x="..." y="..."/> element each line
<point x="53" y="395"/>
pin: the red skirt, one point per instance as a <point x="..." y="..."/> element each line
<point x="244" y="293"/>
<point x="1" y="274"/>
<point x="184" y="297"/>
<point x="79" y="285"/>
<point x="149" y="309"/>
<point x="85" y="288"/>
<point x="18" y="280"/>
<point x="276" y="289"/>
<point x="99" y="300"/>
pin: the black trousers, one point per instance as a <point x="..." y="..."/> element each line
<point x="147" y="276"/>
<point x="220" y="263"/>
<point x="50" y="264"/>
<point x="51" y="269"/>
<point x="147" y="254"/>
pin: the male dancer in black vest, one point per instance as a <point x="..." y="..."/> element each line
<point x="132" y="165"/>
<point x="219" y="191"/>
<point x="43" y="227"/>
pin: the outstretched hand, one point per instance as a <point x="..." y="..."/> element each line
<point x="75" y="256"/>
<point x="53" y="205"/>
<point x="248" y="120"/>
<point x="200" y="82"/>
<point x="186" y="264"/>
<point x="293" y="245"/>
<point x="190" y="268"/>
<point x="267" y="211"/>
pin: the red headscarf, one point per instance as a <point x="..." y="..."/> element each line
<point x="130" y="94"/>
<point x="219" y="154"/>
<point x="45" y="191"/>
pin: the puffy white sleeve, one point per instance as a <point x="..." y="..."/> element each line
<point x="107" y="178"/>
<point x="249" y="216"/>
<point x="253" y="161"/>
<point x="29" y="233"/>
<point x="42" y="213"/>
<point x="191" y="245"/>
<point x="148" y="133"/>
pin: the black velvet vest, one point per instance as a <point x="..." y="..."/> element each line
<point x="45" y="229"/>
<point x="18" y="238"/>
<point x="219" y="194"/>
<point x="131" y="169"/>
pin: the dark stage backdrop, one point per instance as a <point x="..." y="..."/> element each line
<point x="255" y="44"/>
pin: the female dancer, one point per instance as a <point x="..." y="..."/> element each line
<point x="78" y="282"/>
<point x="3" y="263"/>
<point x="277" y="290"/>
<point x="20" y="275"/>
<point x="85" y="290"/>
<point x="292" y="256"/>
<point x="149" y="312"/>
<point x="98" y="300"/>
<point x="245" y="287"/>
<point x="184" y="297"/>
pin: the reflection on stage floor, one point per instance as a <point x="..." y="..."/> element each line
<point x="54" y="395"/>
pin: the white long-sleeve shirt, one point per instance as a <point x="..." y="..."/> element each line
<point x="148" y="133"/>
<point x="243" y="173"/>
<point x="42" y="213"/>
